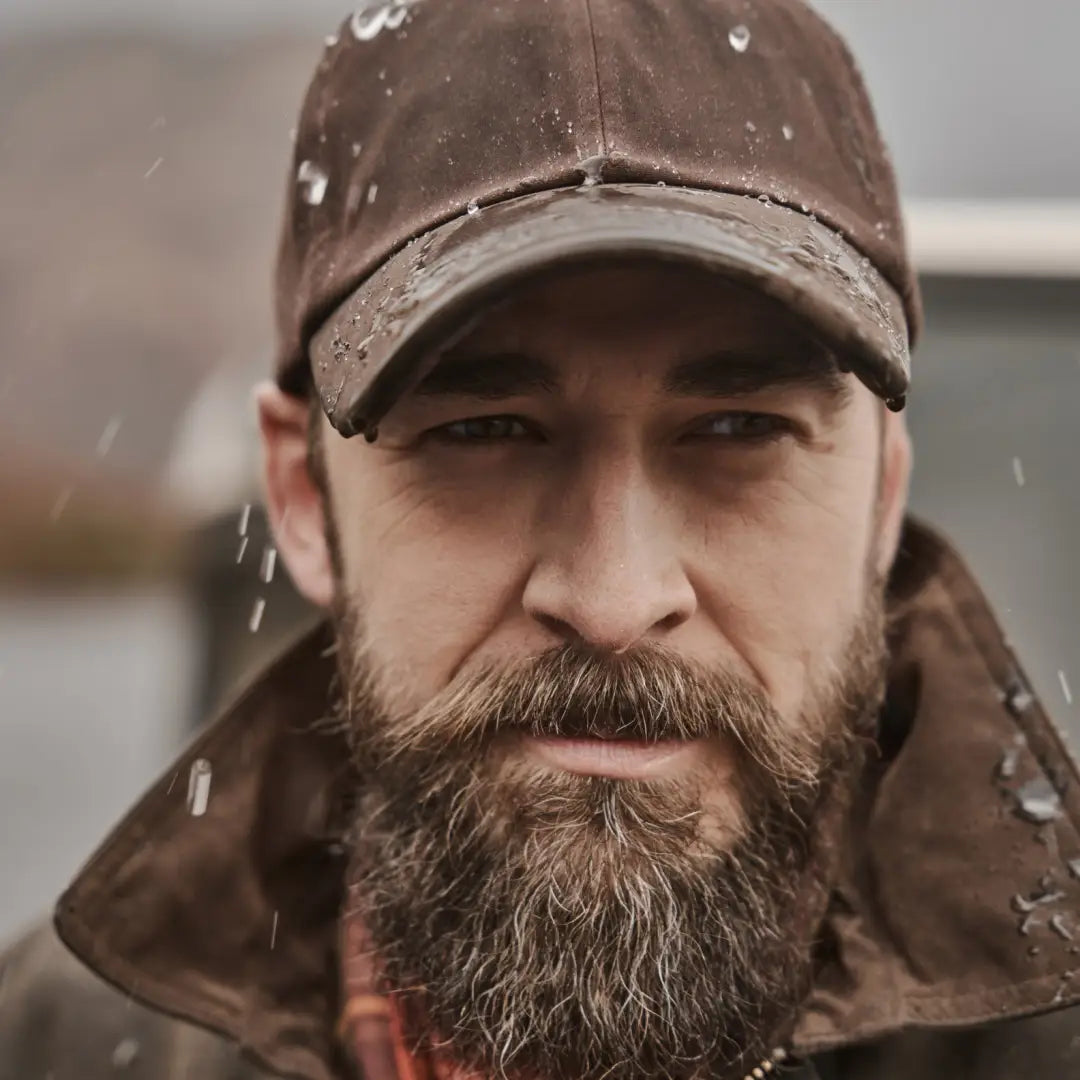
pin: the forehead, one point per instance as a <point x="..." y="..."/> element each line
<point x="654" y="309"/>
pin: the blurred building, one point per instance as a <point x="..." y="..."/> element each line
<point x="143" y="155"/>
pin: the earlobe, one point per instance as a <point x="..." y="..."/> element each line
<point x="897" y="456"/>
<point x="294" y="503"/>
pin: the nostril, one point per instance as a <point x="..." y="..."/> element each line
<point x="559" y="627"/>
<point x="672" y="621"/>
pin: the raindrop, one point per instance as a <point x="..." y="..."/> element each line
<point x="1018" y="471"/>
<point x="1057" y="924"/>
<point x="764" y="200"/>
<point x="313" y="182"/>
<point x="1066" y="690"/>
<point x="1023" y="906"/>
<point x="61" y="504"/>
<point x="269" y="561"/>
<point x="256" y="615"/>
<point x="372" y="192"/>
<point x="751" y="126"/>
<point x="356" y="148"/>
<point x="739" y="38"/>
<point x="1074" y="868"/>
<point x="789" y="132"/>
<point x="243" y="548"/>
<point x="473" y="207"/>
<point x="1026" y="923"/>
<point x="108" y="436"/>
<point x="153" y="168"/>
<point x="198" y="792"/>
<point x="126" y="1051"/>
<point x="273" y="932"/>
<point x="332" y="40"/>
<point x="1039" y="802"/>
<point x="245" y="519"/>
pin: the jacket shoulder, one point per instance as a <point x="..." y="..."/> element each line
<point x="59" y="1021"/>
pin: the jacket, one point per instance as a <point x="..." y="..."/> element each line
<point x="207" y="947"/>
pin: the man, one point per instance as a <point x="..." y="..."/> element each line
<point x="646" y="738"/>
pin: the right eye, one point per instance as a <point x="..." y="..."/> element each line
<point x="481" y="429"/>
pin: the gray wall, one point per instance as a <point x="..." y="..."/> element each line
<point x="998" y="378"/>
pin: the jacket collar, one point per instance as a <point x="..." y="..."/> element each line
<point x="230" y="919"/>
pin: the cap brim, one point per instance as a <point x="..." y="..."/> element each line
<point x="385" y="337"/>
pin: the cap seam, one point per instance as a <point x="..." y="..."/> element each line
<point x="596" y="73"/>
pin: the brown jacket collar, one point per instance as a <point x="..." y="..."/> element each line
<point x="230" y="920"/>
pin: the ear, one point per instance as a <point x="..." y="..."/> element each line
<point x="294" y="504"/>
<point x="896" y="467"/>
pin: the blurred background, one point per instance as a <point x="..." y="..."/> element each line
<point x="143" y="155"/>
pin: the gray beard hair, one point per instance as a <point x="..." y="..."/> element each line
<point x="549" y="926"/>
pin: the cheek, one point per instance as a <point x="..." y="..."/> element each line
<point x="783" y="573"/>
<point x="432" y="575"/>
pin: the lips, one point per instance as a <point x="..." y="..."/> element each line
<point x="625" y="759"/>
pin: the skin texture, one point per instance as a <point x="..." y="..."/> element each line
<point x="613" y="528"/>
<point x="634" y="503"/>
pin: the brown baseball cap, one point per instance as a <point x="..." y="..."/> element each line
<point x="449" y="149"/>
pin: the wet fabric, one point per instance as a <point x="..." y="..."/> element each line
<point x="428" y="121"/>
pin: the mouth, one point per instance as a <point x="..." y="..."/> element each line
<point x="621" y="759"/>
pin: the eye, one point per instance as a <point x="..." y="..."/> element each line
<point x="480" y="429"/>
<point x="742" y="427"/>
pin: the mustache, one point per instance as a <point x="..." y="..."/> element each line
<point x="648" y="694"/>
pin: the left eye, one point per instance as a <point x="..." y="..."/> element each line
<point x="746" y="426"/>
<point x="485" y="429"/>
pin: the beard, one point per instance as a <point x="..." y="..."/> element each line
<point x="552" y="926"/>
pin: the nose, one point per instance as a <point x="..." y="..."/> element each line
<point x="608" y="572"/>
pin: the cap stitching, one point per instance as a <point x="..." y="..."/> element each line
<point x="596" y="72"/>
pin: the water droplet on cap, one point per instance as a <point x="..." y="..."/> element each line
<point x="739" y="38"/>
<point x="368" y="23"/>
<point x="1006" y="769"/>
<point x="1039" y="802"/>
<point x="789" y="132"/>
<point x="473" y="207"/>
<point x="313" y="182"/>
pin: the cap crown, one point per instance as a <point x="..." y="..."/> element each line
<point x="423" y="107"/>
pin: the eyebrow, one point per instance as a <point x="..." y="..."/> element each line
<point x="491" y="377"/>
<point x="739" y="373"/>
<point x="723" y="374"/>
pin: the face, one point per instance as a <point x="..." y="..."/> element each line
<point x="609" y="595"/>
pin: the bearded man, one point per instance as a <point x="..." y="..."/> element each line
<point x="645" y="738"/>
